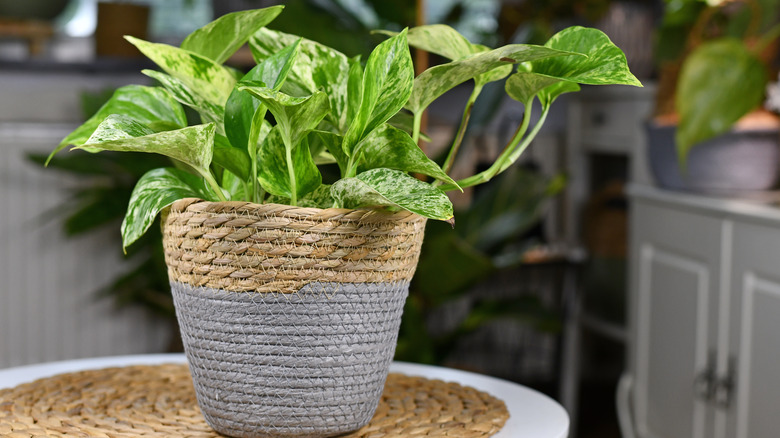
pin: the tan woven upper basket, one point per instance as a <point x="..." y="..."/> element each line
<point x="240" y="246"/>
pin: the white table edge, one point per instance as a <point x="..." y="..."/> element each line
<point x="522" y="423"/>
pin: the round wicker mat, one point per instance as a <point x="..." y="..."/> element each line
<point x="159" y="401"/>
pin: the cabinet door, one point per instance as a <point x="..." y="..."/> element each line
<point x="674" y="281"/>
<point x="755" y="334"/>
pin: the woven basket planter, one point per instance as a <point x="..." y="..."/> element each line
<point x="289" y="315"/>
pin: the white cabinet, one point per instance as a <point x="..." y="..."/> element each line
<point x="704" y="346"/>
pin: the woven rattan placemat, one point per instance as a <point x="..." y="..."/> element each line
<point x="159" y="401"/>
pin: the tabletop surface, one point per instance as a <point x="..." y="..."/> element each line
<point x="532" y="414"/>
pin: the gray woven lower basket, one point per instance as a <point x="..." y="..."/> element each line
<point x="289" y="316"/>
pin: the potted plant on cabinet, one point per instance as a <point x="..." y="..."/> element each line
<point x="710" y="133"/>
<point x="289" y="290"/>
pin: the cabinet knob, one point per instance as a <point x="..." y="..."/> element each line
<point x="704" y="383"/>
<point x="724" y="386"/>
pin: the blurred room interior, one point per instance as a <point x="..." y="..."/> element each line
<point x="582" y="232"/>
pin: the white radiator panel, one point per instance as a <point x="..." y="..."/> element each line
<point x="48" y="310"/>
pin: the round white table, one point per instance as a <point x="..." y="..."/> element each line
<point x="532" y="414"/>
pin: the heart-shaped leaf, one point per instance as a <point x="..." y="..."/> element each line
<point x="202" y="75"/>
<point x="524" y="86"/>
<point x="332" y="143"/>
<point x="387" y="85"/>
<point x="144" y="104"/>
<point x="318" y="68"/>
<point x="209" y="112"/>
<point x="394" y="188"/>
<point x="241" y="107"/>
<point x="442" y="40"/>
<point x="354" y="88"/>
<point x="192" y="145"/>
<point x="233" y="159"/>
<point x="435" y="81"/>
<point x="295" y="116"/>
<point x="156" y="190"/>
<point x="720" y="82"/>
<point x="275" y="174"/>
<point x="603" y="64"/>
<point x="221" y="38"/>
<point x="392" y="148"/>
<point x="445" y="41"/>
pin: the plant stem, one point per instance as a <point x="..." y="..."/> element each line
<point x="464" y="121"/>
<point x="291" y="171"/>
<point x="526" y="141"/>
<point x="498" y="166"/>
<point x="254" y="135"/>
<point x="770" y="35"/>
<point x="416" y="127"/>
<point x="206" y="174"/>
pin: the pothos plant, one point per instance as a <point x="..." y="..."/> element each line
<point x="264" y="133"/>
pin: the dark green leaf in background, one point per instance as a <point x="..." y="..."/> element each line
<point x="707" y="105"/>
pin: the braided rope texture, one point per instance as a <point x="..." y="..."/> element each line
<point x="158" y="401"/>
<point x="241" y="246"/>
<point x="289" y="315"/>
<point x="307" y="364"/>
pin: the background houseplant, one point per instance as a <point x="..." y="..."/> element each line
<point x="710" y="93"/>
<point x="263" y="135"/>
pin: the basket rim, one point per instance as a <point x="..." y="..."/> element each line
<point x="245" y="208"/>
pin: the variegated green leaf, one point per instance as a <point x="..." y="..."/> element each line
<point x="209" y="79"/>
<point x="274" y="173"/>
<point x="319" y="198"/>
<point x="144" y="104"/>
<point x="442" y="40"/>
<point x="435" y="81"/>
<point x="209" y="112"/>
<point x="354" y="87"/>
<point x="318" y="68"/>
<point x="394" y="188"/>
<point x="295" y="116"/>
<point x="192" y="145"/>
<point x="720" y="82"/>
<point x="449" y="43"/>
<point x="603" y="64"/>
<point x="233" y="159"/>
<point x="156" y="190"/>
<point x="523" y="86"/>
<point x="548" y="94"/>
<point x="241" y="106"/>
<point x="394" y="149"/>
<point x="234" y="186"/>
<point x="332" y="143"/>
<point x="221" y="38"/>
<point x="387" y="84"/>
